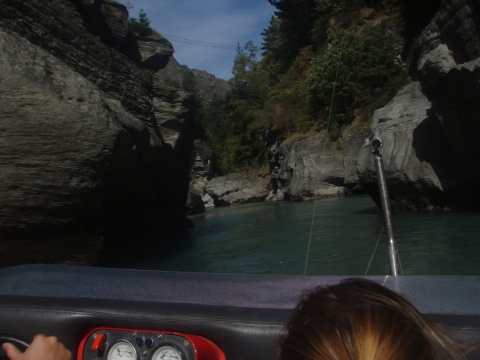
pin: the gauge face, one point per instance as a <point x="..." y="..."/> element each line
<point x="122" y="350"/>
<point x="167" y="352"/>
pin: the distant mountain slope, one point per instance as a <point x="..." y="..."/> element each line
<point x="208" y="85"/>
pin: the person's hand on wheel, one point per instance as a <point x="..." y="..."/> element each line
<point x="42" y="348"/>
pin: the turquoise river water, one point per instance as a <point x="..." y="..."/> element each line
<point x="273" y="238"/>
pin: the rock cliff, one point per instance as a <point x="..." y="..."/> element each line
<point x="303" y="168"/>
<point x="239" y="188"/>
<point x="207" y="85"/>
<point x="89" y="136"/>
<point x="429" y="130"/>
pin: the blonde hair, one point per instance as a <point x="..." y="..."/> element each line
<point x="362" y="320"/>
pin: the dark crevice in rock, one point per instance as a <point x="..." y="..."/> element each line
<point x="96" y="16"/>
<point x="417" y="15"/>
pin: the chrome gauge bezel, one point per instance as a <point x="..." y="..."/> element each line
<point x="165" y="345"/>
<point x="116" y="344"/>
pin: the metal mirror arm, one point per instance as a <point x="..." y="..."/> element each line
<point x="395" y="266"/>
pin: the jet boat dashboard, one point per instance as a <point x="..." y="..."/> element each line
<point x="120" y="314"/>
<point x="128" y="344"/>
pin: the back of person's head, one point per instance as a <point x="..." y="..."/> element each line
<point x="362" y="320"/>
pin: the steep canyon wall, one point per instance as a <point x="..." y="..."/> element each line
<point x="89" y="137"/>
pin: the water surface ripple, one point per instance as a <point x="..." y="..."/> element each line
<point x="272" y="238"/>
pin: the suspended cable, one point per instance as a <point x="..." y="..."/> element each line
<point x="374" y="251"/>
<point x="331" y="104"/>
<point x="200" y="43"/>
<point x="324" y="144"/>
<point x="310" y="237"/>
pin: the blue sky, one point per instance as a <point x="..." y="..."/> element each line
<point x="224" y="22"/>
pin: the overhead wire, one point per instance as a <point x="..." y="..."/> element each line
<point x="200" y="43"/>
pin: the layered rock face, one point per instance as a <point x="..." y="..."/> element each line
<point x="303" y="169"/>
<point x="313" y="168"/>
<point x="239" y="188"/>
<point x="421" y="172"/>
<point x="88" y="136"/>
<point x="429" y="130"/>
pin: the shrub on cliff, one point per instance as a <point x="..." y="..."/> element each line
<point x="360" y="68"/>
<point x="140" y="26"/>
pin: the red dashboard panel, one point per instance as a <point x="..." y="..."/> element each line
<point x="129" y="344"/>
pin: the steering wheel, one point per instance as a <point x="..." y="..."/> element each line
<point x="21" y="344"/>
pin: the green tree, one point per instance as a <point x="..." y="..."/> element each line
<point x="273" y="45"/>
<point x="361" y="69"/>
<point x="289" y="33"/>
<point x="216" y="121"/>
<point x="245" y="60"/>
<point x="141" y="25"/>
<point x="325" y="10"/>
<point x="231" y="123"/>
<point x="247" y="97"/>
<point x="250" y="82"/>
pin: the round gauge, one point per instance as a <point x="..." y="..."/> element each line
<point x="167" y="352"/>
<point x="122" y="350"/>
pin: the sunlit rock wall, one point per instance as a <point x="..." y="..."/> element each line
<point x="430" y="129"/>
